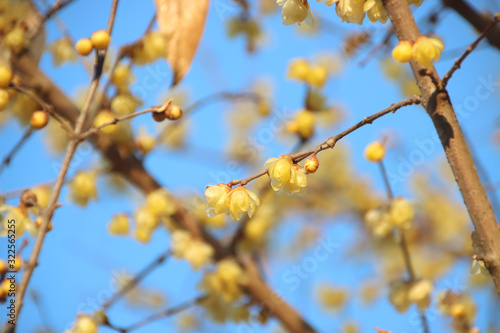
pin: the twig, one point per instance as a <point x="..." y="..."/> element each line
<point x="330" y="143"/>
<point x="57" y="6"/>
<point x="93" y="130"/>
<point x="15" y="149"/>
<point x="45" y="106"/>
<point x="403" y="244"/>
<point x="163" y="314"/>
<point x="52" y="205"/>
<point x="216" y="97"/>
<point x="459" y="61"/>
<point x="138" y="278"/>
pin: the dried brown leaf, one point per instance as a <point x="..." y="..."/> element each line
<point x="182" y="23"/>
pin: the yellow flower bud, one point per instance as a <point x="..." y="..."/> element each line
<point x="39" y="119"/>
<point x="5" y="77"/>
<point x="216" y="195"/>
<point x="85" y="324"/>
<point x="427" y="49"/>
<point x="84" y="46"/>
<point x="375" y="151"/>
<point x="100" y="39"/>
<point x="403" y="52"/>
<point x="401" y="213"/>
<point x="173" y="112"/>
<point x="311" y="164"/>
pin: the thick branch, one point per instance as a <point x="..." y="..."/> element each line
<point x="476" y="19"/>
<point x="439" y="108"/>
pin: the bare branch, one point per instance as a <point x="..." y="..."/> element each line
<point x="15" y="149"/>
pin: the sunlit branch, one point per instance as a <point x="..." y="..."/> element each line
<point x="330" y="143"/>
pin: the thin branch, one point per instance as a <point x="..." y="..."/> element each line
<point x="52" y="205"/>
<point x="459" y="61"/>
<point x="15" y="149"/>
<point x="57" y="6"/>
<point x="138" y="278"/>
<point x="163" y="314"/>
<point x="330" y="143"/>
<point x="476" y="18"/>
<point x="403" y="244"/>
<point x="94" y="130"/>
<point x="45" y="106"/>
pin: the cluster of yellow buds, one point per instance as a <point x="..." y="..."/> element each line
<point x="99" y="40"/>
<point x="303" y="124"/>
<point x="286" y="175"/>
<point x="402" y="294"/>
<point x="226" y="281"/>
<point x="424" y="51"/>
<point x="193" y="250"/>
<point x="159" y="207"/>
<point x="235" y="202"/>
<point x="354" y="11"/>
<point x="381" y="221"/>
<point x="314" y="75"/>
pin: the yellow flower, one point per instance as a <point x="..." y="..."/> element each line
<point x="280" y="171"/>
<point x="286" y="175"/>
<point x="419" y="293"/>
<point x="84" y="324"/>
<point x="159" y="203"/>
<point x="376" y="11"/>
<point x="21" y="220"/>
<point x="375" y="151"/>
<point x="401" y="213"/>
<point x="226" y="281"/>
<point x="427" y="49"/>
<point x="83" y="188"/>
<point x="378" y="222"/>
<point x="305" y="122"/>
<point x="298" y="69"/>
<point x="240" y="201"/>
<point x="351" y="11"/>
<point x="317" y="76"/>
<point x="403" y="52"/>
<point x="331" y="297"/>
<point x="119" y="225"/>
<point x="216" y="195"/>
<point x="193" y="250"/>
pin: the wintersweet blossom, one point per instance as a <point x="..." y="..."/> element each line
<point x="375" y="11"/>
<point x="427" y="49"/>
<point x="193" y="250"/>
<point x="286" y="175"/>
<point x="351" y="11"/>
<point x="216" y="195"/>
<point x="329" y="2"/>
<point x="240" y="201"/>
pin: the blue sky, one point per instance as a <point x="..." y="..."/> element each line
<point x="79" y="256"/>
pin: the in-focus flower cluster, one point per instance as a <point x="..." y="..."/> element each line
<point x="354" y="11"/>
<point x="191" y="249"/>
<point x="425" y="50"/>
<point x="286" y="176"/>
<point x="235" y="202"/>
